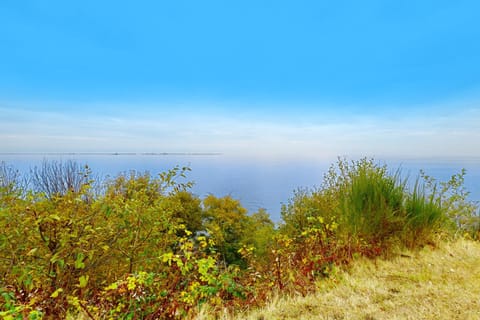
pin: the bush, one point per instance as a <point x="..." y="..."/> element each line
<point x="54" y="178"/>
<point x="371" y="202"/>
<point x="146" y="247"/>
<point x="375" y="209"/>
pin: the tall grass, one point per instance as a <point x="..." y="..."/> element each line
<point x="424" y="215"/>
<point x="378" y="206"/>
<point x="375" y="206"/>
<point x="371" y="202"/>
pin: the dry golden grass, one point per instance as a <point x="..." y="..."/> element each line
<point x="440" y="283"/>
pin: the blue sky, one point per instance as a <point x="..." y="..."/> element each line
<point x="257" y="78"/>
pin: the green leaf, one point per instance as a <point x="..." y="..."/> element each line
<point x="79" y="261"/>
<point x="56" y="293"/>
<point x="83" y="280"/>
<point x="6" y="316"/>
<point x="113" y="286"/>
<point x="55" y="217"/>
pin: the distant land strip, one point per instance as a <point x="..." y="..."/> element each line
<point x="111" y="153"/>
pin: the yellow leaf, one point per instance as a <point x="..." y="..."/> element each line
<point x="113" y="286"/>
<point x="56" y="293"/>
<point x="83" y="280"/>
<point x="32" y="252"/>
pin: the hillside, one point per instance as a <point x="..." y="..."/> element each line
<point x="434" y="283"/>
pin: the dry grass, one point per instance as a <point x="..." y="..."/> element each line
<point x="440" y="283"/>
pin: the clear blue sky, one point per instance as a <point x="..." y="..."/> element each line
<point x="263" y="78"/>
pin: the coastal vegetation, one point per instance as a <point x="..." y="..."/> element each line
<point x="143" y="246"/>
<point x="441" y="282"/>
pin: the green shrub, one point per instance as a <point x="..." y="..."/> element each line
<point x="227" y="223"/>
<point x="424" y="216"/>
<point x="146" y="248"/>
<point x="376" y="208"/>
<point x="371" y="202"/>
<point x="452" y="197"/>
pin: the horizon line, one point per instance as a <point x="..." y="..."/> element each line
<point x="116" y="153"/>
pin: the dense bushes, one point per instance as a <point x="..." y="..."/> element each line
<point x="370" y="204"/>
<point x="144" y="247"/>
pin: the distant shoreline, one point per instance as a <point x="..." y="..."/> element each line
<point x="386" y="158"/>
<point x="110" y="153"/>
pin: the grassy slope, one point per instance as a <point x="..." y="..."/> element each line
<point x="441" y="283"/>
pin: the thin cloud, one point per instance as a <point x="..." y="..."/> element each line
<point x="26" y="130"/>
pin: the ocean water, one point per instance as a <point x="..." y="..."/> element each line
<point x="256" y="183"/>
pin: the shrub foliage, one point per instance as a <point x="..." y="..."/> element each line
<point x="139" y="246"/>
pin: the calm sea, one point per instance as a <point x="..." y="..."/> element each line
<point x="256" y="183"/>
